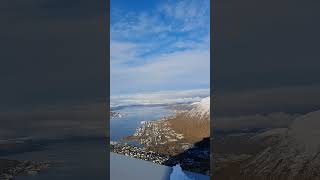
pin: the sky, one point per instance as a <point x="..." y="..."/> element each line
<point x="258" y="52"/>
<point x="53" y="51"/>
<point x="265" y="62"/>
<point x="265" y="44"/>
<point x="53" y="73"/>
<point x="159" y="45"/>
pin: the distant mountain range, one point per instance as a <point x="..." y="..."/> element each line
<point x="154" y="100"/>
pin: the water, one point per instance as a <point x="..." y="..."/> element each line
<point x="87" y="159"/>
<point x="81" y="160"/>
<point x="126" y="126"/>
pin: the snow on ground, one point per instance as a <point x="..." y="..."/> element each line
<point x="201" y="109"/>
<point x="178" y="174"/>
<point x="305" y="130"/>
<point x="124" y="168"/>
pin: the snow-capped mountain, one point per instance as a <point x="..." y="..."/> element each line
<point x="295" y="157"/>
<point x="201" y="109"/>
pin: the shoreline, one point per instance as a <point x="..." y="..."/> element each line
<point x="18" y="161"/>
<point x="179" y="138"/>
<point x="9" y="169"/>
<point x="163" y="144"/>
<point x="195" y="159"/>
<point x="139" y="153"/>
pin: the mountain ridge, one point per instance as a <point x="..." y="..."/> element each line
<point x="294" y="157"/>
<point x="200" y="109"/>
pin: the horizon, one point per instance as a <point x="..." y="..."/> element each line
<point x="159" y="97"/>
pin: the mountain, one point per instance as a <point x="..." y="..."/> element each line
<point x="193" y="124"/>
<point x="295" y="157"/>
<point x="175" y="134"/>
<point x="269" y="137"/>
<point x="201" y="109"/>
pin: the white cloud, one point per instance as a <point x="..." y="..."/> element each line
<point x="152" y="50"/>
<point x="173" y="69"/>
<point x="122" y="51"/>
<point x="135" y="25"/>
<point x="160" y="97"/>
<point x="194" y="14"/>
<point x="180" y="16"/>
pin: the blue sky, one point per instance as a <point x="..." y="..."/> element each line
<point x="159" y="45"/>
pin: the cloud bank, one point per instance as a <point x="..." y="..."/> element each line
<point x="160" y="97"/>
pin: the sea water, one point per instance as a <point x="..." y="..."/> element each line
<point x="132" y="119"/>
<point x="86" y="159"/>
<point x="81" y="160"/>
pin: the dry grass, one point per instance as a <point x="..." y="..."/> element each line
<point x="193" y="130"/>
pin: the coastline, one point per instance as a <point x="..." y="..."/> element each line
<point x="9" y="169"/>
<point x="179" y="138"/>
<point x="66" y="158"/>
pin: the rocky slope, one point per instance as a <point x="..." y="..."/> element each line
<point x="194" y="124"/>
<point x="11" y="168"/>
<point x="296" y="156"/>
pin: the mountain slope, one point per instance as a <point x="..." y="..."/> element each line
<point x="295" y="157"/>
<point x="201" y="109"/>
<point x="195" y="123"/>
<point x="184" y="128"/>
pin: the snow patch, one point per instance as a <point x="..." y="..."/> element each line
<point x="201" y="109"/>
<point x="178" y="174"/>
<point x="305" y="130"/>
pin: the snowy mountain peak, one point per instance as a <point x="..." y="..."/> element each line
<point x="201" y="109"/>
<point x="305" y="130"/>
